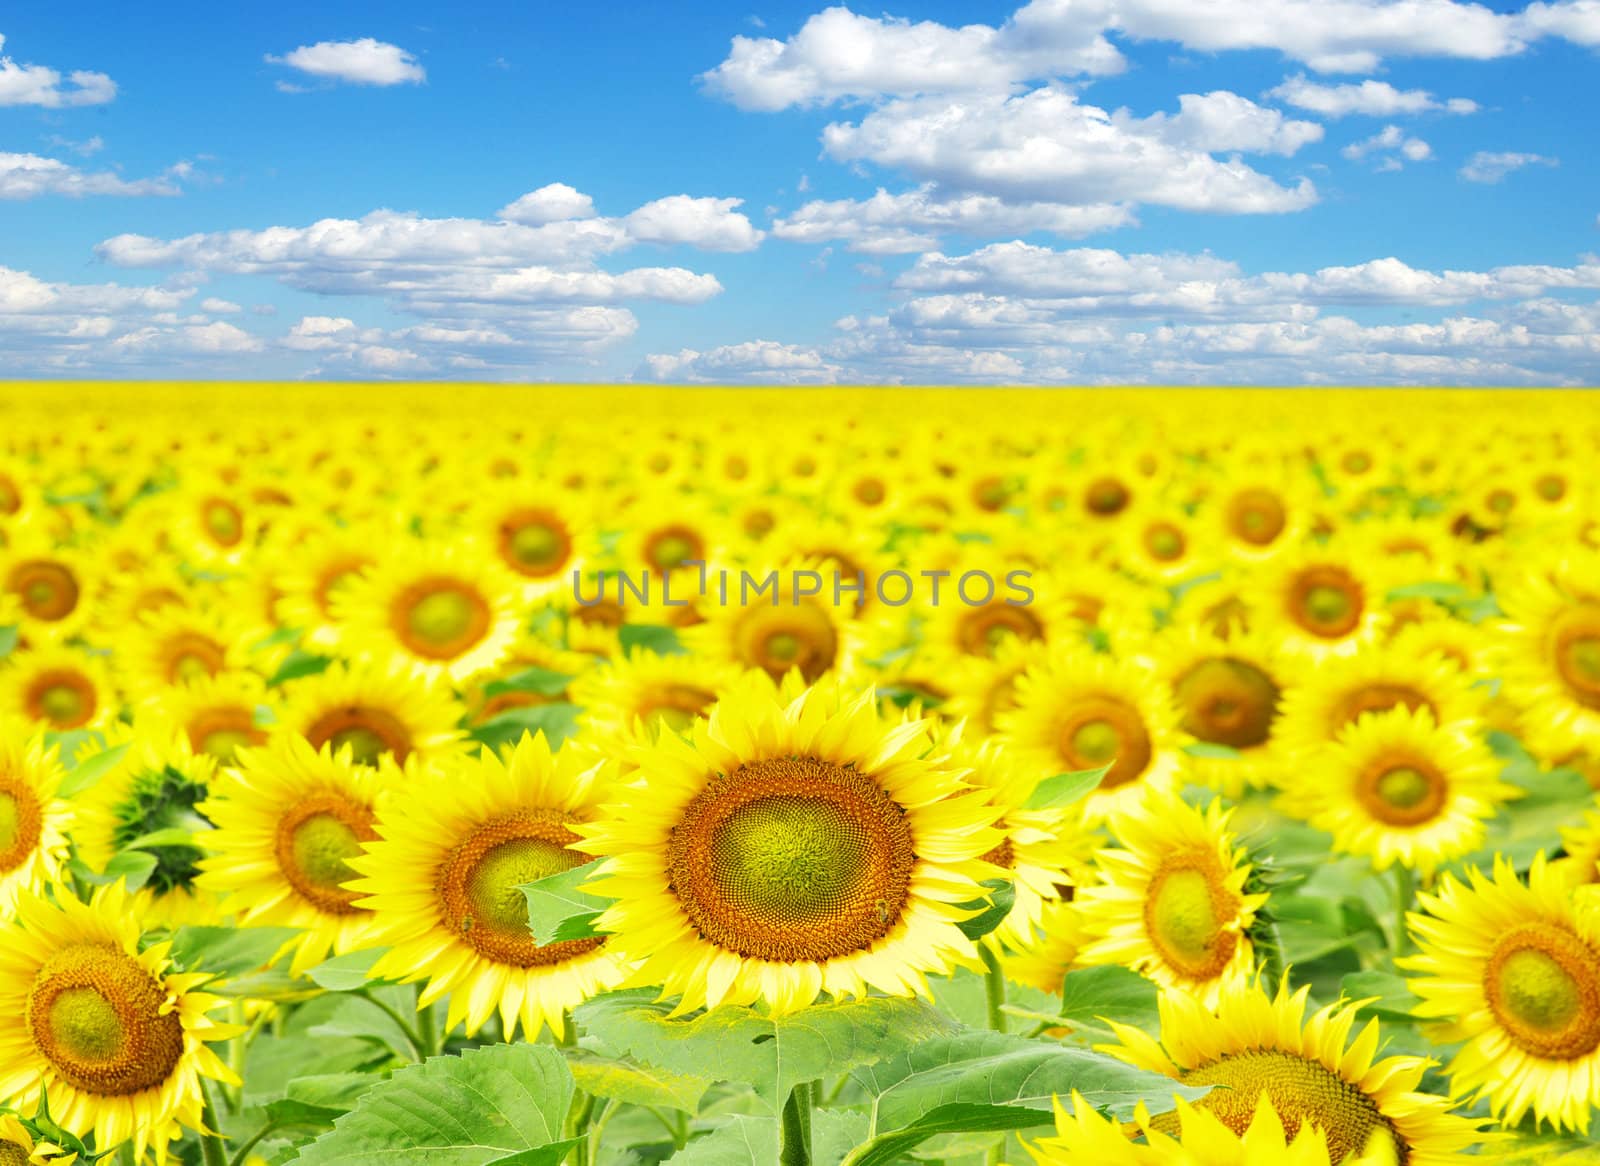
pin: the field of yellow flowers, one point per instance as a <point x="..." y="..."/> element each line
<point x="444" y="776"/>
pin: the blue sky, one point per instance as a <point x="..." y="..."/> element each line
<point x="1073" y="191"/>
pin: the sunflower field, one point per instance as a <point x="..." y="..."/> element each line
<point x="403" y="776"/>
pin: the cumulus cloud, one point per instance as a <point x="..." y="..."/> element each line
<point x="1388" y="147"/>
<point x="711" y="224"/>
<point x="1223" y="122"/>
<point x="1046" y="145"/>
<point x="1366" y="98"/>
<point x="1489" y="167"/>
<point x="32" y="175"/>
<point x="359" y="62"/>
<point x="40" y="85"/>
<point x="762" y="361"/>
<point x="554" y="203"/>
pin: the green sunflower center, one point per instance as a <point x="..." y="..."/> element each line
<point x="367" y="731"/>
<point x="1301" y="1091"/>
<point x="315" y="842"/>
<point x="1164" y="542"/>
<point x="1327" y="602"/>
<point x="1228" y="702"/>
<point x="1403" y="792"/>
<point x="1106" y="497"/>
<point x="1187" y="909"/>
<point x="792" y="859"/>
<point x="224" y="522"/>
<point x="535" y="544"/>
<point x="672" y="548"/>
<point x="365" y="745"/>
<point x="223" y="744"/>
<point x="1256" y="516"/>
<point x="1403" y="788"/>
<point x="48" y="590"/>
<point x="495" y="885"/>
<point x="97" y="1015"/>
<point x="61" y="703"/>
<point x="1103" y="730"/>
<point x="442" y="616"/>
<point x="1096" y="742"/>
<point x="1542" y="982"/>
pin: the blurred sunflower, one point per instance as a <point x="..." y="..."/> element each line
<point x="175" y="646"/>
<point x="1552" y="647"/>
<point x="1052" y="952"/>
<point x="36" y="823"/>
<point x="538" y="532"/>
<point x="630" y="700"/>
<point x="52" y="586"/>
<point x="444" y="882"/>
<point x="57" y="687"/>
<point x="373" y="711"/>
<point x="218" y="714"/>
<point x="102" y="1023"/>
<point x="778" y="624"/>
<point x="1319" y="601"/>
<point x="797" y="844"/>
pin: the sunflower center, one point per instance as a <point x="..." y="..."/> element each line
<point x="1104" y="730"/>
<point x="316" y="840"/>
<point x="65" y="699"/>
<point x="791" y="636"/>
<point x="1186" y="914"/>
<point x="1380" y="698"/>
<point x="793" y="859"/>
<point x="671" y="548"/>
<point x="1106" y="496"/>
<point x="1551" y="487"/>
<point x="870" y="491"/>
<point x="479" y="886"/>
<point x="99" y="1017"/>
<point x="48" y="590"/>
<point x="440" y="619"/>
<point x="1405" y="792"/>
<point x="224" y="522"/>
<point x="533" y="543"/>
<point x="1228" y="701"/>
<point x="1577" y="653"/>
<point x="1256" y="516"/>
<point x="1300" y="1090"/>
<point x="191" y="656"/>
<point x="1165" y="542"/>
<point x="1327" y="602"/>
<point x="222" y="732"/>
<point x="676" y="705"/>
<point x="11" y="1154"/>
<point x="367" y="732"/>
<point x="21" y="822"/>
<point x="984" y="629"/>
<point x="1543" y="985"/>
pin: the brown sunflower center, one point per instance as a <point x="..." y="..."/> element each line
<point x="1104" y="730"/>
<point x="534" y="543"/>
<point x="440" y="618"/>
<point x="1256" y="516"/>
<point x="1228" y="701"/>
<point x="100" y="1019"/>
<point x="1300" y="1090"/>
<point x="1380" y="697"/>
<point x="13" y="1154"/>
<point x="190" y="656"/>
<point x="1403" y="792"/>
<point x="1326" y="601"/>
<point x="1165" y="542"/>
<point x="777" y="639"/>
<point x="316" y="840"/>
<point x="869" y="491"/>
<point x="48" y="590"/>
<point x="10" y="496"/>
<point x="334" y="575"/>
<point x="479" y="887"/>
<point x="223" y="731"/>
<point x="675" y="705"/>
<point x="223" y="521"/>
<point x="1550" y="487"/>
<point x="367" y="732"/>
<point x="63" y="697"/>
<point x="792" y="859"/>
<point x="1187" y="912"/>
<point x="1576" y="642"/>
<point x="21" y="823"/>
<point x="1106" y="497"/>
<point x="1542" y="982"/>
<point x="672" y="546"/>
<point x="983" y="629"/>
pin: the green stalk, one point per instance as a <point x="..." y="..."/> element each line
<point x="796" y="1149"/>
<point x="211" y="1148"/>
<point x="431" y="1040"/>
<point x="411" y="1035"/>
<point x="994" y="987"/>
<point x="1405" y="887"/>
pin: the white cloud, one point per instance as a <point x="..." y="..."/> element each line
<point x="1221" y="121"/>
<point x="1489" y="167"/>
<point x="39" y="85"/>
<point x="1366" y="98"/>
<point x="711" y="224"/>
<point x="360" y="62"/>
<point x="913" y="220"/>
<point x="1575" y="20"/>
<point x="219" y="306"/>
<point x="1388" y="146"/>
<point x="84" y="148"/>
<point x="32" y="175"/>
<point x="554" y="203"/>
<point x="763" y="361"/>
<point x="1047" y="146"/>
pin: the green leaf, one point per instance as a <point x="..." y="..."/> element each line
<point x="88" y="772"/>
<point x="156" y="839"/>
<point x="487" y="1105"/>
<point x="228" y="951"/>
<point x="543" y="681"/>
<point x="991" y="911"/>
<point x="8" y="640"/>
<point x="890" y="1148"/>
<point x="1064" y="789"/>
<point x="772" y="1054"/>
<point x="132" y="866"/>
<point x="557" y="720"/>
<point x="276" y="1066"/>
<point x="634" y="1083"/>
<point x="348" y="972"/>
<point x="990" y="1068"/>
<point x="540" y="1155"/>
<point x="556" y="900"/>
<point x="1440" y="590"/>
<point x="1094" y="995"/>
<point x="649" y="637"/>
<point x="299" y="663"/>
<point x="1391" y="996"/>
<point x="741" y="1141"/>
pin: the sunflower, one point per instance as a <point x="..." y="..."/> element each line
<point x="1229" y="692"/>
<point x="538" y="532"/>
<point x="218" y="714"/>
<point x="1261" y="511"/>
<point x="1052" y="952"/>
<point x="57" y="687"/>
<point x="775" y="624"/>
<point x="852" y="552"/>
<point x="1345" y="690"/>
<point x="444" y="881"/>
<point x="52" y="586"/>
<point x="1512" y="969"/>
<point x="314" y="569"/>
<point x="1081" y="710"/>
<point x="795" y="844"/>
<point x="492" y="693"/>
<point x="976" y="609"/>
<point x="1170" y="901"/>
<point x="1320" y="601"/>
<point x="1552" y="647"/>
<point x="671" y="534"/>
<point x="981" y="688"/>
<point x="215" y="527"/>
<point x="445" y="610"/>
<point x="1164" y="544"/>
<point x="1580" y="846"/>
<point x="374" y="711"/>
<point x="288" y="820"/>
<point x="1253" y="1045"/>
<point x="175" y="646"/>
<point x="128" y="596"/>
<point x="628" y="700"/>
<point x="1084" y="1135"/>
<point x="35" y="823"/>
<point x="116" y="1039"/>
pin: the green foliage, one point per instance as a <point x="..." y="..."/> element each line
<point x="1054" y="793"/>
<point x="557" y="720"/>
<point x="559" y="910"/>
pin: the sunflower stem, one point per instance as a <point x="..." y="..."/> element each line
<point x="796" y="1149"/>
<point x="568" y="1039"/>
<point x="994" y="987"/>
<point x="432" y="1041"/>
<point x="1405" y="888"/>
<point x="418" y="1049"/>
<point x="211" y="1148"/>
